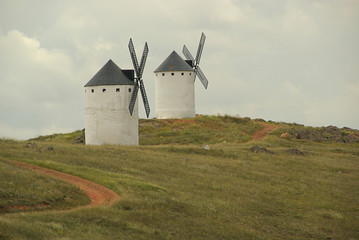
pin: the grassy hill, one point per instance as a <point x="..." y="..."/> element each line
<point x="303" y="186"/>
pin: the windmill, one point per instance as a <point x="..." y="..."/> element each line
<point x="111" y="109"/>
<point x="138" y="80"/>
<point x="174" y="84"/>
<point x="195" y="62"/>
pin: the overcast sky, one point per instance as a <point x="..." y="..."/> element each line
<point x="292" y="61"/>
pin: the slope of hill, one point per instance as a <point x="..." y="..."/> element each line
<point x="200" y="178"/>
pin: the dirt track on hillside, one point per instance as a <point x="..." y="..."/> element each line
<point x="98" y="194"/>
<point x="257" y="136"/>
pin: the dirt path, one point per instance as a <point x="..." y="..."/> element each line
<point x="257" y="136"/>
<point x="98" y="194"/>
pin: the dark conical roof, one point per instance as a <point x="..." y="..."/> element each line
<point x="174" y="63"/>
<point x="109" y="74"/>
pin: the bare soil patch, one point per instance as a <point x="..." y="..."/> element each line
<point x="98" y="194"/>
<point x="257" y="136"/>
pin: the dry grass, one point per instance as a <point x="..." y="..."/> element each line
<point x="182" y="191"/>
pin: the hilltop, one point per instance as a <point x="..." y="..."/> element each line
<point x="200" y="178"/>
<point x="216" y="129"/>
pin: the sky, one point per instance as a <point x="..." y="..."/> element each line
<point x="280" y="60"/>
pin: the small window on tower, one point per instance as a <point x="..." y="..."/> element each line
<point x="104" y="90"/>
<point x="92" y="90"/>
<point x="129" y="90"/>
<point x="190" y="74"/>
<point x="117" y="89"/>
<point x="172" y="74"/>
<point x="182" y="74"/>
<point x="163" y="74"/>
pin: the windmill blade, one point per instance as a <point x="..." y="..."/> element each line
<point x="144" y="98"/>
<point x="133" y="98"/>
<point x="143" y="60"/>
<point x="201" y="77"/>
<point x="200" y="48"/>
<point x="194" y="75"/>
<point x="133" y="57"/>
<point x="186" y="52"/>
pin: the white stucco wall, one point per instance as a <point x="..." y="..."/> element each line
<point x="175" y="95"/>
<point x="107" y="118"/>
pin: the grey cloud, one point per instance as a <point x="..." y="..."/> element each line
<point x="284" y="60"/>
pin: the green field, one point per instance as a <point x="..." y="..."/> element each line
<point x="171" y="187"/>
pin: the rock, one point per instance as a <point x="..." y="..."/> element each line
<point x="257" y="149"/>
<point x="206" y="147"/>
<point x="284" y="135"/>
<point x="294" y="151"/>
<point x="80" y="138"/>
<point x="49" y="148"/>
<point x="31" y="145"/>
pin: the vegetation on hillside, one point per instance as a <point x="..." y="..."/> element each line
<point x="199" y="130"/>
<point x="22" y="189"/>
<point x="173" y="188"/>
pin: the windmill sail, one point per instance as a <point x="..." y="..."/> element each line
<point x="133" y="57"/>
<point x="144" y="98"/>
<point x="143" y="60"/>
<point x="197" y="70"/>
<point x="133" y="99"/>
<point x="202" y="77"/>
<point x="187" y="53"/>
<point x="138" y="80"/>
<point x="200" y="48"/>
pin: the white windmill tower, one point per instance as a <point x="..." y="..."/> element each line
<point x="174" y="84"/>
<point x="111" y="109"/>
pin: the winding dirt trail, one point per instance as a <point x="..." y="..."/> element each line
<point x="98" y="194"/>
<point x="257" y="136"/>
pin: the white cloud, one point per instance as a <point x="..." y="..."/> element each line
<point x="37" y="85"/>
